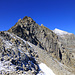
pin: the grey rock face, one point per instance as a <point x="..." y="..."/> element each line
<point x="68" y="41"/>
<point x="15" y="48"/>
<point x="38" y="35"/>
<point x="41" y="36"/>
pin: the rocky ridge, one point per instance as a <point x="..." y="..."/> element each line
<point x="17" y="56"/>
<point x="26" y="45"/>
<point x="68" y="40"/>
<point x="43" y="37"/>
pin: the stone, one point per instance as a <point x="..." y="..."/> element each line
<point x="19" y="20"/>
<point x="42" y="37"/>
<point x="26" y="44"/>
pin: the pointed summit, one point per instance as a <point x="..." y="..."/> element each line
<point x="22" y="23"/>
<point x="26" y="18"/>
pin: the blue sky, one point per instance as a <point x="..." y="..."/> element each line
<point x="52" y="13"/>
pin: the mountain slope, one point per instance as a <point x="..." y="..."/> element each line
<point x="18" y="54"/>
<point x="27" y="45"/>
<point x="44" y="38"/>
<point x="38" y="35"/>
<point x="21" y="57"/>
<point x="68" y="40"/>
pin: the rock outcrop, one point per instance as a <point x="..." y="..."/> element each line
<point x="27" y="44"/>
<point x="44" y="38"/>
<point x="38" y="35"/>
<point x="68" y="41"/>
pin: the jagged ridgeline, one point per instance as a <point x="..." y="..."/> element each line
<point x="26" y="45"/>
<point x="43" y="37"/>
<point x="30" y="31"/>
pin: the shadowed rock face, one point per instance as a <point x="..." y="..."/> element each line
<point x="42" y="37"/>
<point x="38" y="35"/>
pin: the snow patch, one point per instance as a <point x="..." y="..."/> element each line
<point x="41" y="74"/>
<point x="60" y="32"/>
<point x="45" y="69"/>
<point x="29" y="44"/>
<point x="8" y="44"/>
<point x="4" y="66"/>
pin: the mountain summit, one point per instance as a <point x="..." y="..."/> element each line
<point x="27" y="48"/>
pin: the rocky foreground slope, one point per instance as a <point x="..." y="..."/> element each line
<point x="24" y="46"/>
<point x="17" y="56"/>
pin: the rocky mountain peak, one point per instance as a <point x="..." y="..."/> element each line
<point x="28" y="42"/>
<point x="27" y="19"/>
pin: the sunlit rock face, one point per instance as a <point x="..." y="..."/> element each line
<point x="26" y="45"/>
<point x="43" y="37"/>
<point x="40" y="36"/>
<point x="68" y="40"/>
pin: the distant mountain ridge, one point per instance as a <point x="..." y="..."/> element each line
<point x="68" y="39"/>
<point x="61" y="32"/>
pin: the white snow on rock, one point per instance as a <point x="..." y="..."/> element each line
<point x="7" y="44"/>
<point x="60" y="32"/>
<point x="45" y="69"/>
<point x="29" y="44"/>
<point x="4" y="66"/>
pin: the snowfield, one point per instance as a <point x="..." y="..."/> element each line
<point x="45" y="69"/>
<point x="60" y="32"/>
